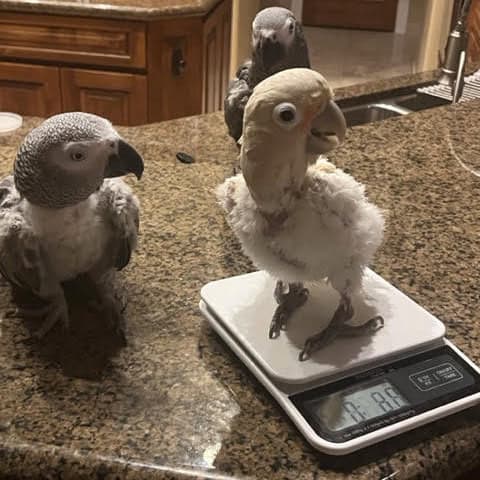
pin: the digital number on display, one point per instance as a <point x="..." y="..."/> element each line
<point x="345" y="409"/>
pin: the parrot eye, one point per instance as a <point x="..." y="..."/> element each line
<point x="285" y="114"/>
<point x="291" y="28"/>
<point x="77" y="156"/>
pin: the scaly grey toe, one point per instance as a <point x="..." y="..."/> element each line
<point x="374" y="324"/>
<point x="57" y="312"/>
<point x="288" y="303"/>
<point x="343" y="314"/>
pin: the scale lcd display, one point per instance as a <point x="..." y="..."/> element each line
<point x="385" y="395"/>
<point x="349" y="407"/>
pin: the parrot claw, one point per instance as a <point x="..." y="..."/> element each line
<point x="24" y="312"/>
<point x="288" y="302"/>
<point x="374" y="324"/>
<point x="317" y="342"/>
<point x="337" y="327"/>
<point x="53" y="312"/>
<point x="57" y="312"/>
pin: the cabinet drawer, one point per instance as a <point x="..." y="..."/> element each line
<point x="87" y="41"/>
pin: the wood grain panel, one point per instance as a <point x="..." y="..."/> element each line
<point x="362" y="14"/>
<point x="73" y="40"/>
<point x="120" y="97"/>
<point x="216" y="40"/>
<point x="174" y="68"/>
<point x="474" y="31"/>
<point x="30" y="89"/>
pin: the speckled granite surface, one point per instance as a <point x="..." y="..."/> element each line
<point x="134" y="9"/>
<point x="378" y="87"/>
<point x="175" y="403"/>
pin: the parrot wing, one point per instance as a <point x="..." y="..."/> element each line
<point x="22" y="260"/>
<point x="120" y="210"/>
<point x="237" y="96"/>
<point x="9" y="195"/>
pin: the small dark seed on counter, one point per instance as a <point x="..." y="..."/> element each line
<point x="185" y="157"/>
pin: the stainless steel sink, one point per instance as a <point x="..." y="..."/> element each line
<point x="391" y="106"/>
<point x="366" y="109"/>
<point x="372" y="112"/>
<point x="419" y="101"/>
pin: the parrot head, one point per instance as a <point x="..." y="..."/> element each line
<point x="66" y="159"/>
<point x="289" y="119"/>
<point x="277" y="40"/>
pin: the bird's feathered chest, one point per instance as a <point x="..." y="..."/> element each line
<point x="331" y="223"/>
<point x="73" y="238"/>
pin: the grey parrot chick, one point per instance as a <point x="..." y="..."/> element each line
<point x="62" y="214"/>
<point x="278" y="43"/>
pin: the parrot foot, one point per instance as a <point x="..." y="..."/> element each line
<point x="374" y="324"/>
<point x="53" y="312"/>
<point x="25" y="312"/>
<point x="57" y="312"/>
<point x="113" y="309"/>
<point x="288" y="302"/>
<point x="338" y="327"/>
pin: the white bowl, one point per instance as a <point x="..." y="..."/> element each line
<point x="9" y="122"/>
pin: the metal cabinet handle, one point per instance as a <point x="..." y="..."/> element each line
<point x="178" y="62"/>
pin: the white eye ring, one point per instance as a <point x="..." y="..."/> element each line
<point x="285" y="114"/>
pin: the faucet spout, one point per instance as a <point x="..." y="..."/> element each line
<point x="455" y="55"/>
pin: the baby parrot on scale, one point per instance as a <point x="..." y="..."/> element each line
<point x="278" y="43"/>
<point x="298" y="216"/>
<point x="63" y="214"/>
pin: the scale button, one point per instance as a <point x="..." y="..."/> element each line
<point x="435" y="377"/>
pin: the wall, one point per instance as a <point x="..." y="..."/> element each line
<point x="436" y="27"/>
<point x="243" y="13"/>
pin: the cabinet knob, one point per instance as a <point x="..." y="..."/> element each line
<point x="178" y="62"/>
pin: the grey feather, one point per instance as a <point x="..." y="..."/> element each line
<point x="119" y="208"/>
<point x="45" y="184"/>
<point x="237" y="97"/>
<point x="22" y="261"/>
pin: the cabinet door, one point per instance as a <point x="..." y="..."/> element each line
<point x="174" y="68"/>
<point x="474" y="30"/>
<point x="367" y="14"/>
<point x="216" y="41"/>
<point x="30" y="89"/>
<point x="120" y="97"/>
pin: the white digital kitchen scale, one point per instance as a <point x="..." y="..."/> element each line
<point x="357" y="391"/>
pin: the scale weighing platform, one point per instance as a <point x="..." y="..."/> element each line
<point x="356" y="391"/>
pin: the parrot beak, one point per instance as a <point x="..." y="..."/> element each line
<point x="327" y="130"/>
<point x="125" y="160"/>
<point x="272" y="50"/>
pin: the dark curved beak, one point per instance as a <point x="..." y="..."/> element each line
<point x="125" y="160"/>
<point x="272" y="51"/>
<point x="327" y="130"/>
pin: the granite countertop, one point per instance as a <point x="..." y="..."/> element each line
<point x="129" y="9"/>
<point x="175" y="403"/>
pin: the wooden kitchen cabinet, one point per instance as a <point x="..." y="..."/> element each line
<point x="363" y="14"/>
<point x="474" y="30"/>
<point x="216" y="48"/>
<point x="120" y="97"/>
<point x="130" y="71"/>
<point x="30" y="89"/>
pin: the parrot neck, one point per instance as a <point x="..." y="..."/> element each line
<point x="274" y="175"/>
<point x="297" y="57"/>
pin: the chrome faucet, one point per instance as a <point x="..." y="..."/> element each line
<point x="453" y="67"/>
